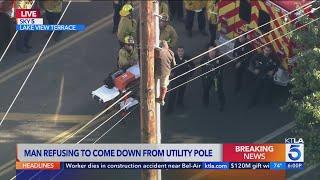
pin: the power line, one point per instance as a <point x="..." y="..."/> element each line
<point x="15" y="34"/>
<point x="182" y="85"/>
<point x="114" y="125"/>
<point x="240" y="56"/>
<point x="107" y="120"/>
<point x="34" y="65"/>
<point x="102" y="124"/>
<point x="169" y="90"/>
<point x="302" y="7"/>
<point x="103" y="133"/>
<point x="97" y="116"/>
<point x="93" y="119"/>
<point x="240" y="46"/>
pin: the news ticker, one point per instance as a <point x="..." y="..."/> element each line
<point x="161" y="165"/>
<point x="165" y="156"/>
<point x="30" y="20"/>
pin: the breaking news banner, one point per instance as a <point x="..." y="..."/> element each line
<point x="72" y="158"/>
<point x="30" y="20"/>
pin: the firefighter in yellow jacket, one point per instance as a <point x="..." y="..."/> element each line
<point x="53" y="6"/>
<point x="212" y="14"/>
<point x="23" y="4"/>
<point x="128" y="54"/>
<point x="167" y="32"/>
<point x="164" y="9"/>
<point x="192" y="7"/>
<point x="127" y="25"/>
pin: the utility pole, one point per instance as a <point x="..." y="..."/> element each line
<point x="157" y="44"/>
<point x="147" y="83"/>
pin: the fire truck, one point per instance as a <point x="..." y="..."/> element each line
<point x="239" y="16"/>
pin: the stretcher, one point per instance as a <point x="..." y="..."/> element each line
<point x="116" y="85"/>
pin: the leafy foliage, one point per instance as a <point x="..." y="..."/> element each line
<point x="304" y="102"/>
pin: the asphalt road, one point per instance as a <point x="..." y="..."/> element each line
<point x="56" y="100"/>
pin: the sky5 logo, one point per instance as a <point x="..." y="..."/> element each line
<point x="294" y="150"/>
<point x="27" y="21"/>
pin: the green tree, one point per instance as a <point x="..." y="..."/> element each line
<point x="304" y="101"/>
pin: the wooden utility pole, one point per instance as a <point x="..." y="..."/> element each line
<point x="147" y="83"/>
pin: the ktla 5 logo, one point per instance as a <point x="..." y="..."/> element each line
<point x="294" y="150"/>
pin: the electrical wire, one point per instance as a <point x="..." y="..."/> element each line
<point x="34" y="65"/>
<point x="188" y="82"/>
<point x="102" y="124"/>
<point x="107" y="120"/>
<point x="15" y="34"/>
<point x="175" y="88"/>
<point x="305" y="6"/>
<point x="97" y="116"/>
<point x="97" y="129"/>
<point x="93" y="119"/>
<point x="240" y="56"/>
<point x="114" y="125"/>
<point x="240" y="46"/>
<point x="168" y="90"/>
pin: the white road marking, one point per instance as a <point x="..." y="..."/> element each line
<point x="60" y="99"/>
<point x="301" y="173"/>
<point x="34" y="65"/>
<point x="276" y="133"/>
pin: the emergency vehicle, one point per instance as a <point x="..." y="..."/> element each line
<point x="239" y="16"/>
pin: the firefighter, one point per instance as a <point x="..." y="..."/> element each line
<point x="214" y="80"/>
<point x="167" y="32"/>
<point x="163" y="7"/>
<point x="164" y="61"/>
<point x="212" y="14"/>
<point x="23" y="4"/>
<point x="127" y="25"/>
<point x="242" y="64"/>
<point x="53" y="10"/>
<point x="128" y="54"/>
<point x="23" y="37"/>
<point x="195" y="7"/>
<point x="177" y="95"/>
<point x="264" y="64"/>
<point x="117" y="5"/>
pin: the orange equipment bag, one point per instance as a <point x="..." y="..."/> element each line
<point x="123" y="80"/>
